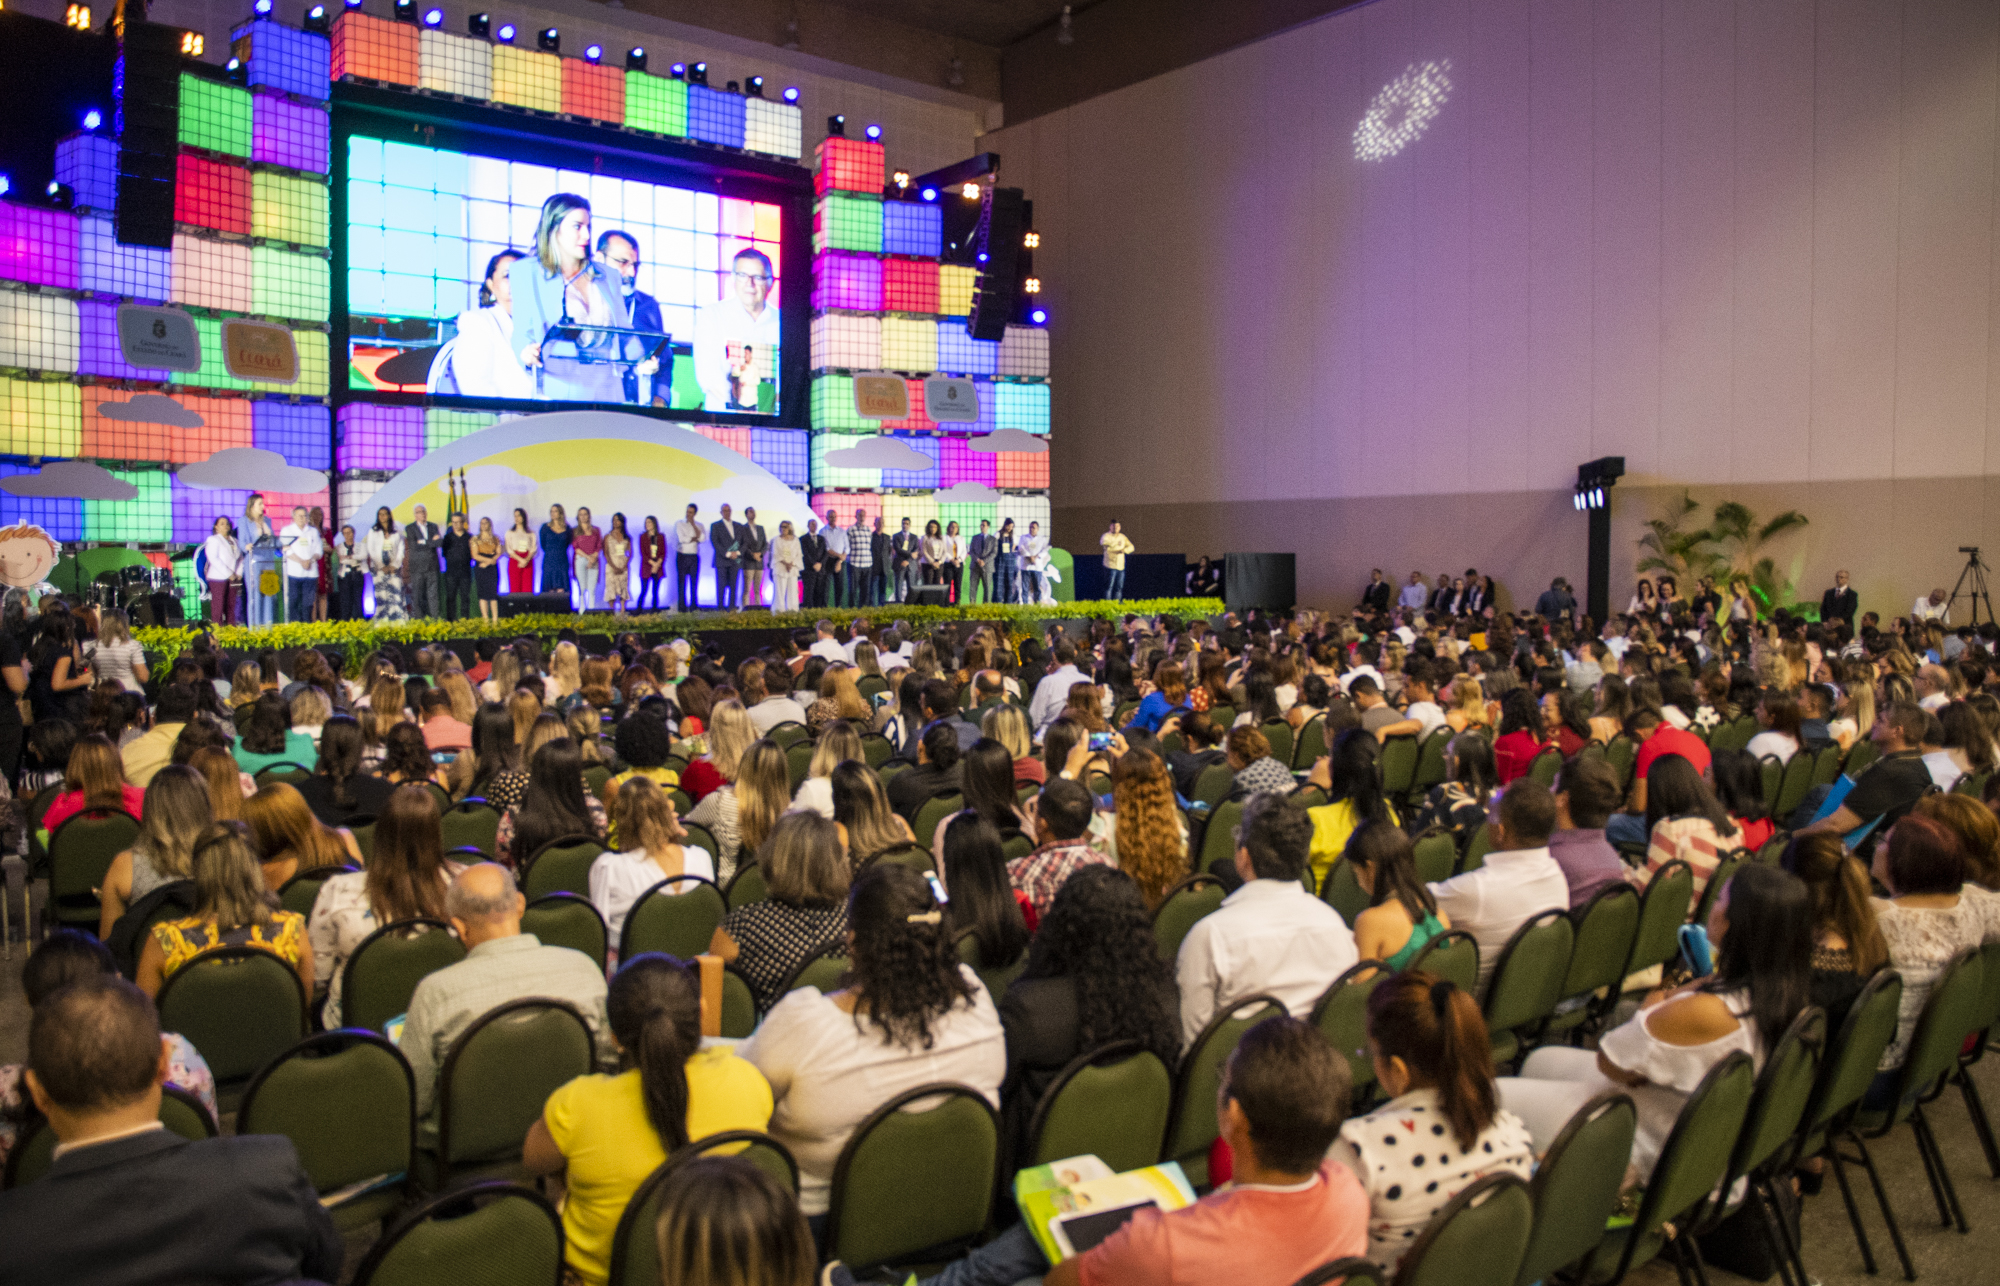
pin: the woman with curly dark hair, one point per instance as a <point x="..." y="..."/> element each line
<point x="909" y="1014"/>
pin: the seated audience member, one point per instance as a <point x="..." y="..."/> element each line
<point x="1519" y="881"/>
<point x="1887" y="788"/>
<point x="1778" y="716"/>
<point x="909" y="1014"/>
<point x="1248" y="754"/>
<point x="724" y="1220"/>
<point x="1738" y="782"/>
<point x="265" y="736"/>
<point x="645" y="821"/>
<point x="501" y="964"/>
<point x="1520" y="736"/>
<point x="936" y="773"/>
<point x="1762" y="932"/>
<point x="224" y="780"/>
<point x="442" y="730"/>
<point x="1062" y="843"/>
<point x="153" y="750"/>
<point x="644" y="744"/>
<point x="175" y="813"/>
<point x="64" y="957"/>
<point x="741" y="812"/>
<point x="232" y="908"/>
<point x="1008" y="725"/>
<point x="1420" y="690"/>
<point x="127" y="1200"/>
<point x="406" y="877"/>
<point x="339" y="791"/>
<point x="608" y="1132"/>
<point x="1586" y="793"/>
<point x="1288" y="1210"/>
<point x="556" y="806"/>
<point x="1461" y="803"/>
<point x="94" y="781"/>
<point x="1402" y="916"/>
<point x="1169" y="697"/>
<point x="1655" y="738"/>
<point x="407" y="758"/>
<point x="1353" y="786"/>
<point x="290" y="839"/>
<point x="1145" y="833"/>
<point x="804" y="915"/>
<point x="861" y="814"/>
<point x="983" y="902"/>
<point x="1687" y="822"/>
<point x="1848" y="946"/>
<point x="838" y="744"/>
<point x="1433" y="1060"/>
<point x="1204" y="747"/>
<point x="1978" y="832"/>
<point x="1926" y="921"/>
<point x="1270" y="935"/>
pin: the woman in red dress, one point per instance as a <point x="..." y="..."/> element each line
<point x="652" y="565"/>
<point x="520" y="555"/>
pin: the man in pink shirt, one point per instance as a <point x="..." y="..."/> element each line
<point x="1287" y="1211"/>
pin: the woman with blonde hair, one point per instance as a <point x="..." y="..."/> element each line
<point x="506" y="674"/>
<point x="94" y="779"/>
<point x="839" y="698"/>
<point x="730" y="734"/>
<point x="232" y="908"/>
<point x="225" y="779"/>
<point x="1007" y="724"/>
<point x="861" y="812"/>
<point x="406" y="878"/>
<point x="175" y="814"/>
<point x="1086" y="706"/>
<point x="464" y="705"/>
<point x="290" y="839"/>
<point x="1468" y="706"/>
<point x="837" y="745"/>
<point x="246" y="684"/>
<point x="1149" y="840"/>
<point x="310" y="710"/>
<point x="118" y="658"/>
<point x="1856" y="717"/>
<point x="642" y="815"/>
<point x="740" y="813"/>
<point x="1978" y="834"/>
<point x="566" y="668"/>
<point x="865" y="659"/>
<point x="805" y="914"/>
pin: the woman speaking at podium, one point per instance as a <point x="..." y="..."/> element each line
<point x="559" y="284"/>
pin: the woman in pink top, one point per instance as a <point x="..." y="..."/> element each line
<point x="583" y="552"/>
<point x="94" y="779"/>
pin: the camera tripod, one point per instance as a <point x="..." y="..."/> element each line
<point x="1972" y="585"/>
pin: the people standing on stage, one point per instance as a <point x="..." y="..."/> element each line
<point x="1839" y="603"/>
<point x="1006" y="564"/>
<point x="485" y="360"/>
<point x="420" y="566"/>
<point x="617" y="565"/>
<point x="837" y="593"/>
<point x="812" y="547"/>
<point x="303" y="547"/>
<point x="980" y="550"/>
<point x="353" y="563"/>
<point x="904" y="548"/>
<point x="1034" y="553"/>
<point x="1116" y="545"/>
<point x="456" y="546"/>
<point x="224" y="571"/>
<point x="486" y="570"/>
<point x="554" y="539"/>
<point x="687" y="562"/>
<point x="260" y="541"/>
<point x="754" y="544"/>
<point x="384" y="551"/>
<point x="584" y="552"/>
<point x="563" y="283"/>
<point x="788" y="561"/>
<point x="932" y="554"/>
<point x="317" y="516"/>
<point x="879" y="550"/>
<point x="619" y="251"/>
<point x="520" y="555"/>
<point x="954" y="562"/>
<point x="652" y="564"/>
<point x="860" y="561"/>
<point x="727" y="563"/>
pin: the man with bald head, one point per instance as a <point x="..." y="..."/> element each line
<point x="501" y="964"/>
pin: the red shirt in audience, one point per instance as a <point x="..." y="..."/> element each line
<point x="700" y="779"/>
<point x="1238" y="1234"/>
<point x="70" y="803"/>
<point x="1513" y="753"/>
<point x="1669" y="740"/>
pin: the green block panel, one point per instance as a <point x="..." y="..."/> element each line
<point x="825" y="475"/>
<point x="290" y="285"/>
<point x="967" y="516"/>
<point x="285" y="208"/>
<point x="845" y="222"/>
<point x="832" y="405"/>
<point x="656" y="103"/>
<point x="149" y="517"/>
<point x="214" y="116"/>
<point x="444" y="427"/>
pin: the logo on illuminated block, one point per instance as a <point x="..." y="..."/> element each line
<point x="881" y="397"/>
<point x="947" y="399"/>
<point x="160" y="339"/>
<point x="256" y="351"/>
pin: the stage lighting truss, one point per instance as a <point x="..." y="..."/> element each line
<point x="1403" y="110"/>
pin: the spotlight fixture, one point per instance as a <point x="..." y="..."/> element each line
<point x="901" y="178"/>
<point x="1032" y="285"/>
<point x="928" y="194"/>
<point x="550" y="39"/>
<point x="698" y="74"/>
<point x="77" y="16"/>
<point x="6" y="185"/>
<point x="61" y="195"/>
<point x="192" y="44"/>
<point x="635" y="58"/>
<point x="262" y="7"/>
<point x="1031" y="241"/>
<point x="506" y="33"/>
<point x="970" y="191"/>
<point x="405" y="10"/>
<point x="593" y="53"/>
<point x="1039" y="317"/>
<point x="1064" y="34"/>
<point x="480" y="25"/>
<point x="874" y="133"/>
<point x="733" y="87"/>
<point x="434" y="18"/>
<point x="354" y="4"/>
<point x="239" y="71"/>
<point x="1594" y="481"/>
<point x="791" y="93"/>
<point x="316" y="19"/>
<point x="92" y="119"/>
<point x="754" y="86"/>
<point x="678" y="71"/>
<point x="836" y="127"/>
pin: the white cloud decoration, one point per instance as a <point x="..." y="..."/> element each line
<point x="968" y="492"/>
<point x="70" y="480"/>
<point x="880" y="453"/>
<point x="252" y="469"/>
<point x="1403" y="110"/>
<point x="152" y="408"/>
<point x="1010" y="440"/>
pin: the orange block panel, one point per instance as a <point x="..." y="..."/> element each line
<point x="593" y="90"/>
<point x="375" y="48"/>
<point x="225" y="423"/>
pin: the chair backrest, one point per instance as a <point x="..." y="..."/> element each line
<point x="1193" y="1125"/>
<point x="1662" y="912"/>
<point x="1436" y="856"/>
<point x="824" y="971"/>
<point x="290" y="773"/>
<point x="1478" y="1239"/>
<point x="746" y="886"/>
<point x="561" y="866"/>
<point x="501" y="1070"/>
<point x="635" y="1250"/>
<point x="1212" y="783"/>
<point x="798" y="761"/>
<point x="933" y="811"/>
<point x="1848" y="1065"/>
<point x="1861" y="754"/>
<point x="1989" y="983"/>
<point x="1696" y="1154"/>
<point x="1826" y="766"/>
<point x="789" y="733"/>
<point x="1950" y="1014"/>
<point x="1341" y="1014"/>
<point x="1310" y="745"/>
<point x="1773" y="774"/>
<point x="1279" y="733"/>
<point x="917" y="1175"/>
<point x="913" y="855"/>
<point x="1430" y="761"/>
<point x="1017" y="843"/>
<point x="1218" y="842"/>
<point x="1352" y="1270"/>
<point x="739" y="1004"/>
<point x="1800" y="770"/>
<point x="363" y="830"/>
<point x="380" y="977"/>
<point x="1453" y="955"/>
<point x="1605" y="927"/>
<point x="300" y="892"/>
<point x="566" y="920"/>
<point x="678" y="915"/>
<point x="1343" y="892"/>
<point x="1184" y="903"/>
<point x="239" y="1006"/>
<point x="1575" y="1189"/>
<point x="81" y="850"/>
<point x="1718" y="880"/>
<point x="1783" y="1089"/>
<point x="1621" y="753"/>
<point x="471" y="824"/>
<point x="1398" y="765"/>
<point x="1528" y="978"/>
<point x="1477" y="845"/>
<point x="597" y="779"/>
<point x="1545" y="766"/>
<point x="497" y="1234"/>
<point x="1111" y="1102"/>
<point x="347" y="1101"/>
<point x="876" y="748"/>
<point x="34" y="1149"/>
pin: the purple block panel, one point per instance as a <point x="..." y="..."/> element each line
<point x="88" y="163"/>
<point x="914" y="479"/>
<point x="101" y="353"/>
<point x="379" y="437"/>
<point x="283" y="132"/>
<point x="142" y="273"/>
<point x="38" y="246"/>
<point x="961" y="354"/>
<point x="299" y="432"/>
<point x="196" y="510"/>
<point x="851" y="281"/>
<point x="958" y="462"/>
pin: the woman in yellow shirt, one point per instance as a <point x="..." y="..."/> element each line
<point x="613" y="1131"/>
<point x="1350" y="780"/>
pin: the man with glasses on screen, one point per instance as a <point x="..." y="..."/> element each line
<point x="618" y="250"/>
<point x="736" y="337"/>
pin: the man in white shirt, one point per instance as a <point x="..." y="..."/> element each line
<point x="1367" y="653"/>
<point x="1270" y="935"/>
<point x="1414" y="594"/>
<point x="1420" y="691"/>
<point x="1519" y="881"/>
<point x="1052" y="693"/>
<point x="826" y="644"/>
<point x="302" y="545"/>
<point x="1933" y="687"/>
<point x="736" y="337"/>
<point x="1033" y="551"/>
<point x="1932" y="607"/>
<point x="687" y="559"/>
<point x="839" y="587"/>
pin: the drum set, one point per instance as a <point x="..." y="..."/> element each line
<point x="147" y="595"/>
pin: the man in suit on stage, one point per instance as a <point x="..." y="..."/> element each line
<point x="982" y="550"/>
<point x="903" y="546"/>
<point x="421" y="541"/>
<point x="726" y="539"/>
<point x="129" y="1201"/>
<point x="812" y="546"/>
<point x="1840" y="602"/>
<point x="881" y="546"/>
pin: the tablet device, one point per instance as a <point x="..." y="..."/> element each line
<point x="1080" y="1230"/>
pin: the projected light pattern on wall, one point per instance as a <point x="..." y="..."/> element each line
<point x="1403" y="110"/>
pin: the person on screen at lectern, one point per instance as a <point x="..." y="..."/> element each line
<point x="619" y="251"/>
<point x="484" y="357"/>
<point x="736" y="337"/>
<point x="562" y="283"/>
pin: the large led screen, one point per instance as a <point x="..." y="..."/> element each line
<point x="481" y="276"/>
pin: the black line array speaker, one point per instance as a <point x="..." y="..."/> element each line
<point x="148" y="83"/>
<point x="1003" y="218"/>
<point x="1266" y="581"/>
<point x="534" y="604"/>
<point x="930" y="595"/>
